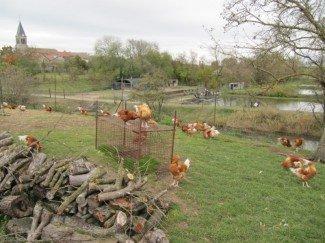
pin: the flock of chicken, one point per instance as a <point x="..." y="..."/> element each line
<point x="304" y="169"/>
<point x="192" y="128"/>
<point x="6" y="105"/>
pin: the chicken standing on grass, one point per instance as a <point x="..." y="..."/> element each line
<point x="305" y="173"/>
<point x="291" y="161"/>
<point x="22" y="107"/>
<point x="82" y="110"/>
<point x="178" y="169"/>
<point x="104" y="113"/>
<point x="47" y="108"/>
<point x="189" y="128"/>
<point x="210" y="133"/>
<point x="8" y="106"/>
<point x="285" y="142"/>
<point x="296" y="143"/>
<point x="31" y="142"/>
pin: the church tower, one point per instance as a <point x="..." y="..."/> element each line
<point x="21" y="38"/>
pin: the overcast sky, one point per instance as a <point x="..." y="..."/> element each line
<point x="75" y="25"/>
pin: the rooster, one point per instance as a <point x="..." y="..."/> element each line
<point x="47" y="108"/>
<point x="305" y="173"/>
<point x="22" y="107"/>
<point x="104" y="113"/>
<point x="145" y="115"/>
<point x="210" y="133"/>
<point x="126" y="115"/>
<point x="31" y="142"/>
<point x="178" y="169"/>
<point x="285" y="142"/>
<point x="82" y="110"/>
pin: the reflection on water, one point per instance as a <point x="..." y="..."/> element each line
<point x="284" y="105"/>
<point x="309" y="92"/>
<point x="300" y="106"/>
<point x="310" y="145"/>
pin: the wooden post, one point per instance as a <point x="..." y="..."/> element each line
<point x="50" y="92"/>
<point x="55" y="92"/>
<point x="174" y="133"/>
<point x="63" y="93"/>
<point x="215" y="108"/>
<point x="124" y="127"/>
<point x="139" y="149"/>
<point x="96" y="125"/>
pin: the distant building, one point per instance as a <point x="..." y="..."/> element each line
<point x="238" y="85"/>
<point x="21" y="38"/>
<point x="126" y="83"/>
<point x="45" y="54"/>
<point x="173" y="82"/>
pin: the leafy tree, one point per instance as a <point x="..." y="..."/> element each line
<point x="290" y="27"/>
<point x="151" y="90"/>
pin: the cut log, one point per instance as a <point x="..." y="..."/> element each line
<point x="104" y="180"/>
<point x="121" y="222"/>
<point x="138" y="224"/>
<point x="36" y="163"/>
<point x="83" y="227"/>
<point x="106" y="196"/>
<point x="12" y="168"/>
<point x="77" y="180"/>
<point x="17" y="153"/>
<point x="110" y="222"/>
<point x="4" y="135"/>
<point x="153" y="221"/>
<point x="20" y="188"/>
<point x="50" y="195"/>
<point x="45" y="220"/>
<point x="96" y="173"/>
<point x="64" y="233"/>
<point x="6" y="150"/>
<point x="102" y="213"/>
<point x="80" y="166"/>
<point x="81" y="199"/>
<point x="155" y="235"/>
<point x="6" y="142"/>
<point x="92" y="202"/>
<point x="16" y="206"/>
<point x="19" y="226"/>
<point x="37" y="212"/>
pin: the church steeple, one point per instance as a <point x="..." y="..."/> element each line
<point x="21" y="38"/>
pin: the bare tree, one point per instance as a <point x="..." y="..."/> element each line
<point x="295" y="27"/>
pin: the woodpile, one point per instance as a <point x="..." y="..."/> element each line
<point x="73" y="199"/>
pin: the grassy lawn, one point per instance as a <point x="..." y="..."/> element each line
<point x="235" y="190"/>
<point x="63" y="84"/>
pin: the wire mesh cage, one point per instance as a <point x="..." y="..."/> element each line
<point x="132" y="140"/>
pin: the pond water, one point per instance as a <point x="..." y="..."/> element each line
<point x="310" y="145"/>
<point x="310" y="92"/>
<point x="281" y="104"/>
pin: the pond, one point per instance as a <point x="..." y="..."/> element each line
<point x="281" y="104"/>
<point x="310" y="145"/>
<point x="309" y="92"/>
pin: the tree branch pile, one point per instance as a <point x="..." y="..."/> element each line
<point x="74" y="199"/>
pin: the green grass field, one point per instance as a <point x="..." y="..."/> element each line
<point x="235" y="189"/>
